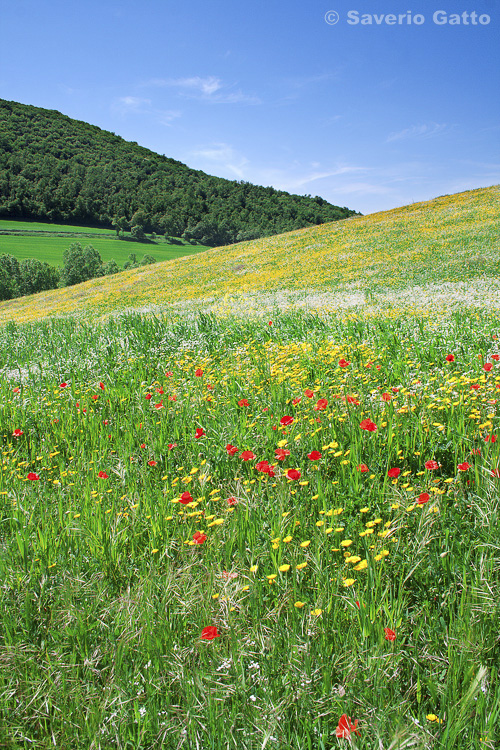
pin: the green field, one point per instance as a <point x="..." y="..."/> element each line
<point x="34" y="226"/>
<point x="261" y="517"/>
<point x="45" y="246"/>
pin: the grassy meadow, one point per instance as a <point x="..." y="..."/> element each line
<point x="47" y="243"/>
<point x="258" y="506"/>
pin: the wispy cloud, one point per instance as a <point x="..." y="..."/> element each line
<point x="209" y="89"/>
<point x="133" y="105"/>
<point x="418" y="131"/>
<point x="125" y="104"/>
<point x="309" y="177"/>
<point x="205" y="86"/>
<point x="223" y="156"/>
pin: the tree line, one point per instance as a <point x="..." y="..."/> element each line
<point x="53" y="168"/>
<point x="20" y="278"/>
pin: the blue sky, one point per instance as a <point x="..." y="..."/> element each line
<point x="370" y="116"/>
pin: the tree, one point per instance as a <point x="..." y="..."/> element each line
<point x="121" y="224"/>
<point x="137" y="232"/>
<point x="81" y="264"/>
<point x="131" y="262"/>
<point x="37" y="276"/>
<point x="111" y="267"/>
<point x="11" y="267"/>
<point x="148" y="260"/>
<point x="7" y="290"/>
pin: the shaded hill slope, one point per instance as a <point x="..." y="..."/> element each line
<point x="444" y="240"/>
<point x="58" y="169"/>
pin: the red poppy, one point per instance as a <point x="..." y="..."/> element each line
<point x="262" y="466"/>
<point x="309" y="393"/>
<point x="160" y="390"/>
<point x="431" y="465"/>
<point x="186" y="498"/>
<point x="17" y="390"/>
<point x="344" y="363"/>
<point x="172" y="445"/>
<point x="94" y="398"/>
<point x="63" y="385"/>
<point x="490" y="439"/>
<point x="386" y="397"/>
<point x="17" y="432"/>
<point x="314" y="455"/>
<point x="148" y="396"/>
<point x="286" y="420"/>
<point x="143" y="445"/>
<point x="394" y="473"/>
<point x="32" y="476"/>
<point x="270" y="323"/>
<point x="199" y="538"/>
<point x="293" y="474"/>
<point x="368" y="425"/>
<point x="198" y="373"/>
<point x="231" y="449"/>
<point x="352" y="400"/>
<point x="199" y="433"/>
<point x="296" y="401"/>
<point x="172" y="398"/>
<point x="389" y="634"/>
<point x="169" y="374"/>
<point x="209" y="633"/>
<point x="321" y="405"/>
<point x="232" y="501"/>
<point x="281" y="453"/>
<point x="248" y="455"/>
<point x="103" y="475"/>
<point x="450" y="357"/>
<point x="345" y="727"/>
<point x="475" y="387"/>
<point x="496" y="357"/>
<point x="101" y="386"/>
<point x="243" y="402"/>
<point x="464" y="466"/>
<point x="423" y="498"/>
<point x="159" y="406"/>
<point x="152" y="463"/>
<point x="362" y="468"/>
<point x="495" y="473"/>
<point x="487" y="367"/>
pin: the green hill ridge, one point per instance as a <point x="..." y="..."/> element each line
<point x="54" y="168"/>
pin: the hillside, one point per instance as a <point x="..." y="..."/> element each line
<point x="57" y="169"/>
<point x="449" y="240"/>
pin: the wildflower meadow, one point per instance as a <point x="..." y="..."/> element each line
<point x="276" y="530"/>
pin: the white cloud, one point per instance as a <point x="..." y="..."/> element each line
<point x="205" y="86"/>
<point x="417" y="131"/>
<point x="209" y="88"/>
<point x="127" y="104"/>
<point x="225" y="157"/>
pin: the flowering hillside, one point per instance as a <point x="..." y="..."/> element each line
<point x="270" y="529"/>
<point x="453" y="240"/>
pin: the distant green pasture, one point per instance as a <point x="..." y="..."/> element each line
<point x="51" y="249"/>
<point x="32" y="226"/>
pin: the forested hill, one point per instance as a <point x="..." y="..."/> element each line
<point x="54" y="168"/>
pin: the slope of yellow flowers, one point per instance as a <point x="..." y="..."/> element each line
<point x="445" y="240"/>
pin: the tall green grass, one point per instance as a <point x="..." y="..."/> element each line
<point x="104" y="592"/>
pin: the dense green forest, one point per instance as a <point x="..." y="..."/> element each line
<point x="53" y="168"/>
